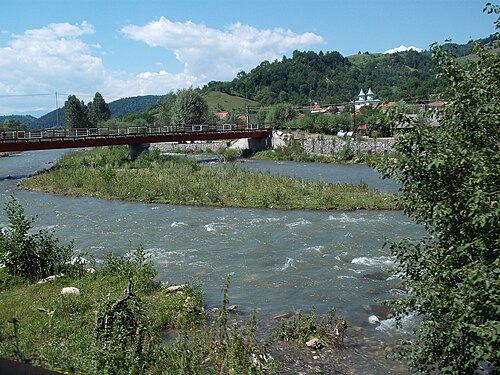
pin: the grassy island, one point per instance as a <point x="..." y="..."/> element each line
<point x="155" y="178"/>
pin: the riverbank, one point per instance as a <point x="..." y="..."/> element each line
<point x="155" y="178"/>
<point x="300" y="147"/>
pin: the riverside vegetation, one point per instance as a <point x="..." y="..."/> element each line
<point x="103" y="330"/>
<point x="108" y="173"/>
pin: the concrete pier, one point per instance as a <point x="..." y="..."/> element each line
<point x="137" y="149"/>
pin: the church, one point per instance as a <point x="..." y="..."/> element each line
<point x="366" y="99"/>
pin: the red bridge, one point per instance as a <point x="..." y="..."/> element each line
<point x="43" y="139"/>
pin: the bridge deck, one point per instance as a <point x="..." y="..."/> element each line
<point x="43" y="139"/>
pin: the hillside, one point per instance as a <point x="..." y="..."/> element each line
<point x="26" y="120"/>
<point x="220" y="101"/>
<point x="331" y="78"/>
<point x="134" y="104"/>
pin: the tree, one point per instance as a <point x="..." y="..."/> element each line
<point x="280" y="114"/>
<point x="166" y="107"/>
<point x="450" y="183"/>
<point x="12" y="125"/>
<point x="74" y="113"/>
<point x="189" y="108"/>
<point x="98" y="110"/>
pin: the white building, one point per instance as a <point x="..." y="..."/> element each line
<point x="366" y="99"/>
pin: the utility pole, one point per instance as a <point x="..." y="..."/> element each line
<point x="57" y="111"/>
<point x="354" y="116"/>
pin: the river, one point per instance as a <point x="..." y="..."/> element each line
<point x="280" y="261"/>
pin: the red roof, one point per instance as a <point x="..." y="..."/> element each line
<point x="437" y="103"/>
<point x="221" y="115"/>
<point x="362" y="127"/>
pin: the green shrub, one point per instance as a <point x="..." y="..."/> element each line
<point x="183" y="309"/>
<point x="135" y="266"/>
<point x="28" y="256"/>
<point x="302" y="327"/>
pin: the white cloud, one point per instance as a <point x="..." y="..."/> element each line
<point x="147" y="83"/>
<point x="212" y="54"/>
<point x="45" y="60"/>
<point x="403" y="49"/>
<point x="57" y="57"/>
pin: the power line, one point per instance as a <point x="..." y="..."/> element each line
<point x="23" y="95"/>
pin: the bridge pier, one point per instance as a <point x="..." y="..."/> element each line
<point x="252" y="145"/>
<point x="136" y="149"/>
<point x="259" y="144"/>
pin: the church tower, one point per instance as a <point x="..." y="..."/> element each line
<point x="362" y="96"/>
<point x="369" y="95"/>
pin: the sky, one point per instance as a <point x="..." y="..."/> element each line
<point x="50" y="49"/>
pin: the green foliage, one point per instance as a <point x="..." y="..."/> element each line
<point x="98" y="110"/>
<point x="223" y="348"/>
<point x="123" y="339"/>
<point x="319" y="123"/>
<point x="280" y="114"/>
<point x="230" y="154"/>
<point x="220" y="101"/>
<point x="450" y="178"/>
<point x="331" y="78"/>
<point x="107" y="331"/>
<point x="303" y="327"/>
<point x="183" y="309"/>
<point x="294" y="151"/>
<point x="12" y="125"/>
<point x="177" y="180"/>
<point x="26" y="121"/>
<point x="133" y="105"/>
<point x="190" y="108"/>
<point x="136" y="266"/>
<point x="166" y="108"/>
<point x="29" y="256"/>
<point x="75" y="113"/>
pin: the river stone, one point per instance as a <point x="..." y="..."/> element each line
<point x="70" y="290"/>
<point x="378" y="275"/>
<point x="175" y="288"/>
<point x="381" y="311"/>
<point x="314" y="343"/>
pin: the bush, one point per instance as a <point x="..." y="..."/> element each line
<point x="301" y="328"/>
<point x="135" y="266"/>
<point x="28" y="256"/>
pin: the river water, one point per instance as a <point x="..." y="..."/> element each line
<point x="280" y="261"/>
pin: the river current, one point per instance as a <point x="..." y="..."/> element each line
<point x="279" y="261"/>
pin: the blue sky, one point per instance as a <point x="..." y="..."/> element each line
<point x="125" y="48"/>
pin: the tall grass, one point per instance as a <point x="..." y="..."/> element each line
<point x="107" y="173"/>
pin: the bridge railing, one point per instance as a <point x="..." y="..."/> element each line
<point x="77" y="133"/>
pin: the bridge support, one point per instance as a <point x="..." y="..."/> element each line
<point x="252" y="145"/>
<point x="137" y="149"/>
<point x="259" y="144"/>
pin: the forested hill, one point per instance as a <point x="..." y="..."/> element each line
<point x="26" y="120"/>
<point x="136" y="104"/>
<point x="332" y="78"/>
